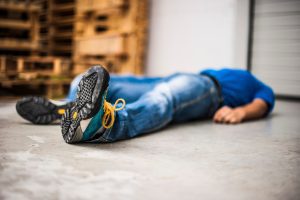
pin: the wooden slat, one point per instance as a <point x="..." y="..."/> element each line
<point x="19" y="6"/>
<point x="64" y="7"/>
<point x="17" y="45"/>
<point x="15" y="24"/>
<point x="101" y="6"/>
<point x="112" y="45"/>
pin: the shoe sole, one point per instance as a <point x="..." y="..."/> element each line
<point x="90" y="91"/>
<point x="39" y="110"/>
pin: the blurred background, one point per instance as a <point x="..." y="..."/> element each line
<point x="45" y="43"/>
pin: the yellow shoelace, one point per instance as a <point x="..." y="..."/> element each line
<point x="109" y="112"/>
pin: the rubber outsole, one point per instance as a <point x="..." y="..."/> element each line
<point x="90" y="91"/>
<point x="39" y="110"/>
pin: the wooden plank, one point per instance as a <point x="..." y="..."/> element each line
<point x="84" y="6"/>
<point x="30" y="67"/>
<point x="15" y="24"/>
<point x="20" y="65"/>
<point x="40" y="59"/>
<point x="2" y="67"/>
<point x="20" y="6"/>
<point x="8" y="66"/>
<point x="2" y="64"/>
<point x="114" y="32"/>
<point x="64" y="7"/>
<point x="101" y="45"/>
<point x="14" y="44"/>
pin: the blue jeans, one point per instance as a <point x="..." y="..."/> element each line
<point x="152" y="103"/>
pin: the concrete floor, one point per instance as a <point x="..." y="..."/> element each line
<point x="198" y="160"/>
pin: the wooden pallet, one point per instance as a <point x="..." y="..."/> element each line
<point x="29" y="68"/>
<point x="104" y="6"/>
<point x="114" y="30"/>
<point x="19" y="27"/>
<point x="34" y="67"/>
<point x="61" y="26"/>
<point x="57" y="25"/>
<point x="8" y="67"/>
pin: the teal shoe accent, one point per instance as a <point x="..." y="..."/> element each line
<point x="96" y="122"/>
<point x="93" y="126"/>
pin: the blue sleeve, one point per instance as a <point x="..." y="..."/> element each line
<point x="265" y="93"/>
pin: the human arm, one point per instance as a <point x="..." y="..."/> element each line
<point x="254" y="110"/>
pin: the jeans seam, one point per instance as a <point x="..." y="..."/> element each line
<point x="212" y="108"/>
<point x="186" y="104"/>
<point x="158" y="127"/>
<point x="106" y="134"/>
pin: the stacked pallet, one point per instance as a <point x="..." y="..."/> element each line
<point x="61" y="18"/>
<point x="21" y="47"/>
<point x="57" y="20"/>
<point x="19" y="28"/>
<point x="19" y="34"/>
<point x="112" y="33"/>
<point x="51" y="72"/>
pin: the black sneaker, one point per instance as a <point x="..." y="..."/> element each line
<point x="40" y="110"/>
<point x="90" y="98"/>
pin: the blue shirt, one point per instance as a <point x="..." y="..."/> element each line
<point x="240" y="87"/>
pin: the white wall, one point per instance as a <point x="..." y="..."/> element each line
<point x="190" y="35"/>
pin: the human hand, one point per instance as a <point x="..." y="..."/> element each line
<point x="229" y="115"/>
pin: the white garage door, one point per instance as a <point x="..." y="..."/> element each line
<point x="276" y="45"/>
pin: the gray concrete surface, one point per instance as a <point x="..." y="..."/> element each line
<point x="198" y="160"/>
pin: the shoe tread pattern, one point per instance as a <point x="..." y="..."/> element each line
<point x="88" y="101"/>
<point x="37" y="110"/>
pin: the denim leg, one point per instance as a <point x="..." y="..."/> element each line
<point x="177" y="98"/>
<point x="130" y="88"/>
<point x="73" y="88"/>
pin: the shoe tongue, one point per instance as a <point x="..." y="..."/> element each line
<point x="84" y="124"/>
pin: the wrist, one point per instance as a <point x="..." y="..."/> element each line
<point x="242" y="113"/>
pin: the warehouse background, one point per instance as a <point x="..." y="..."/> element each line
<point x="45" y="43"/>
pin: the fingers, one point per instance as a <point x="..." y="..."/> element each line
<point x="218" y="115"/>
<point x="229" y="117"/>
<point x="221" y="114"/>
<point x="226" y="115"/>
<point x="232" y="118"/>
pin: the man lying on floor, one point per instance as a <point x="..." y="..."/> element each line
<point x="227" y="96"/>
